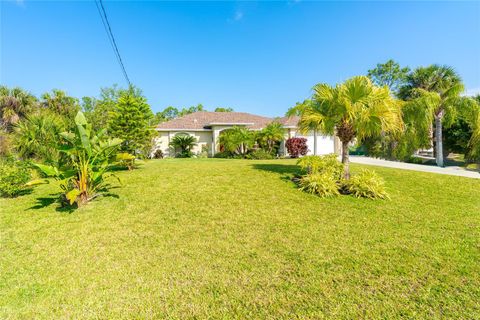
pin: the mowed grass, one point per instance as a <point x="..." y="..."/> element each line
<point x="234" y="239"/>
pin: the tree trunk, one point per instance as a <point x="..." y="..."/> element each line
<point x="438" y="139"/>
<point x="345" y="160"/>
<point x="314" y="142"/>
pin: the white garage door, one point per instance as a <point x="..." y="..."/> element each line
<point x="325" y="144"/>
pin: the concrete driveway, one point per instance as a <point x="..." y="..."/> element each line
<point x="453" y="171"/>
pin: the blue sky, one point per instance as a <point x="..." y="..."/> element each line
<point x="258" y="57"/>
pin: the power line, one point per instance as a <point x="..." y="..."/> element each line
<point x="111" y="38"/>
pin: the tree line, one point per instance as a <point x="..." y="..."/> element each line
<point x="29" y="125"/>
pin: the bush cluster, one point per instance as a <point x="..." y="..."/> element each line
<point x="323" y="176"/>
<point x="322" y="164"/>
<point x="259" y="154"/>
<point x="321" y="184"/>
<point x="13" y="177"/>
<point x="366" y="184"/>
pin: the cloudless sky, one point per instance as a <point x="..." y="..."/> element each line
<point x="258" y="57"/>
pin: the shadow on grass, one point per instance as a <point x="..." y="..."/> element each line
<point x="288" y="171"/>
<point x="43" y="202"/>
<point x="62" y="206"/>
<point x="278" y="168"/>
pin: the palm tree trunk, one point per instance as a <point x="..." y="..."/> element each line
<point x="314" y="142"/>
<point x="438" y="138"/>
<point x="345" y="160"/>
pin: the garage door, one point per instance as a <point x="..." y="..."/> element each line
<point x="325" y="145"/>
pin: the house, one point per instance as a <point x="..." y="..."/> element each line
<point x="206" y="127"/>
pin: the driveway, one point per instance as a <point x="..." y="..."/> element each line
<point x="453" y="171"/>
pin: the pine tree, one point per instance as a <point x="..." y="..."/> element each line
<point x="129" y="121"/>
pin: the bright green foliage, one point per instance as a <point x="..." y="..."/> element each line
<point x="126" y="160"/>
<point x="98" y="110"/>
<point x="389" y="74"/>
<point x="61" y="104"/>
<point x="185" y="143"/>
<point x="271" y="135"/>
<point x="366" y="184"/>
<point x="38" y="137"/>
<point x="237" y="140"/>
<point x="320" y="184"/>
<point x="439" y="102"/>
<point x="129" y="121"/>
<point x="192" y="109"/>
<point x="90" y="156"/>
<point x="15" y="104"/>
<point x="322" y="164"/>
<point x="13" y="177"/>
<point x="470" y="114"/>
<point x="354" y="109"/>
<point x="222" y="109"/>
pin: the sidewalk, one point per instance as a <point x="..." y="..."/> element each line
<point x="453" y="171"/>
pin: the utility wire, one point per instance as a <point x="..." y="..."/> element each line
<point x="111" y="38"/>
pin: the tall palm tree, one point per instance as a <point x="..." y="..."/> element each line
<point x="15" y="104"/>
<point x="355" y="109"/>
<point x="37" y="137"/>
<point x="437" y="90"/>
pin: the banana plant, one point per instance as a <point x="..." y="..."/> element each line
<point x="90" y="159"/>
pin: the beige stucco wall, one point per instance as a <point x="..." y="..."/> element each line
<point x="207" y="138"/>
<point x="162" y="141"/>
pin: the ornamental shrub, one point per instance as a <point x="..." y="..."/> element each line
<point x="366" y="184"/>
<point x="322" y="164"/>
<point x="13" y="177"/>
<point x="321" y="184"/>
<point x="296" y="147"/>
<point x="260" y="154"/>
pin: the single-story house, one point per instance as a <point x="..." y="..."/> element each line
<point x="206" y="127"/>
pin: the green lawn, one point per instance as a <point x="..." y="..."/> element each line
<point x="214" y="238"/>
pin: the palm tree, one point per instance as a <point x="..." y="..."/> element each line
<point x="437" y="90"/>
<point x="355" y="109"/>
<point x="185" y="143"/>
<point x="15" y="104"/>
<point x="271" y="134"/>
<point x="37" y="137"/>
<point x="60" y="103"/>
<point x="237" y="139"/>
<point x="312" y="125"/>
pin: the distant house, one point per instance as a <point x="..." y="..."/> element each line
<point x="206" y="127"/>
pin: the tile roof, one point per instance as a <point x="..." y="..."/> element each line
<point x="203" y="119"/>
<point x="289" y="121"/>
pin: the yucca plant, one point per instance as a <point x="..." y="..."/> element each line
<point x="90" y="158"/>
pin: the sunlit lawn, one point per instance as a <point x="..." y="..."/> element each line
<point x="234" y="239"/>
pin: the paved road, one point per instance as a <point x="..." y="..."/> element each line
<point x="453" y="171"/>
